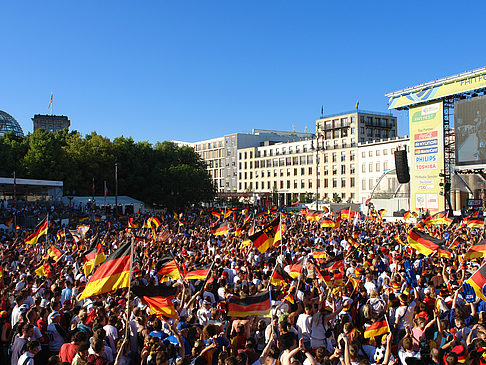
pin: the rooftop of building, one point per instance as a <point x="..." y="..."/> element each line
<point x="359" y="111"/>
<point x="384" y="140"/>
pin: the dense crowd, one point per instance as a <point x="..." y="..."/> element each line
<point x="423" y="312"/>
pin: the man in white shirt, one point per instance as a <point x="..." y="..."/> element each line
<point x="27" y="357"/>
<point x="204" y="313"/>
<point x="304" y="325"/>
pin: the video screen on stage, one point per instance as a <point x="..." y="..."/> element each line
<point x="470" y="131"/>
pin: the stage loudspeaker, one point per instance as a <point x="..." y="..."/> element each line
<point x="401" y="166"/>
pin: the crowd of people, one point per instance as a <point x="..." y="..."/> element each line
<point x="356" y="294"/>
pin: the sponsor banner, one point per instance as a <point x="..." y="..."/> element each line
<point x="426" y="129"/>
<point x="470" y="82"/>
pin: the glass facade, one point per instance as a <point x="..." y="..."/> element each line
<point x="9" y="124"/>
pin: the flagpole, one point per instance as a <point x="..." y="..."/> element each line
<point x="127" y="326"/>
<point x="281" y="237"/>
<point x="15" y="203"/>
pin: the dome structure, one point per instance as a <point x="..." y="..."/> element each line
<point x="9" y="124"/>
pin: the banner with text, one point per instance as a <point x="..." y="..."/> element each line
<point x="427" y="154"/>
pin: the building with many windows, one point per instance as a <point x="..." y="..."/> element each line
<point x="221" y="156"/>
<point x="337" y="138"/>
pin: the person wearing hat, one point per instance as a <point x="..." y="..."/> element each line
<point x="404" y="313"/>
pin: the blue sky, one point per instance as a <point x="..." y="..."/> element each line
<point x="192" y="70"/>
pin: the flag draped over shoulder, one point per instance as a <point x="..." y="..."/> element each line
<point x="255" y="305"/>
<point x="264" y="239"/>
<point x="34" y="237"/>
<point x="423" y="243"/>
<point x="376" y="329"/>
<point x="111" y="275"/>
<point x="158" y="298"/>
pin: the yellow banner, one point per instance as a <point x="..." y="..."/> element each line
<point x="427" y="157"/>
<point x="468" y="83"/>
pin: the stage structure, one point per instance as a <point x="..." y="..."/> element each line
<point x="438" y="152"/>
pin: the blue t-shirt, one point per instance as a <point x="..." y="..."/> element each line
<point x="158" y="334"/>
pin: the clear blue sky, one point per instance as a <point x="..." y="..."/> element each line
<point x="190" y="70"/>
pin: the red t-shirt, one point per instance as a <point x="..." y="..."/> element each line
<point x="67" y="352"/>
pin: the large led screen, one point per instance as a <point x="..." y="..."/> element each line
<point x="470" y="130"/>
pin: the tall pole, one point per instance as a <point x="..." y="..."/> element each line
<point x="116" y="187"/>
<point x="15" y="202"/>
<point x="317" y="170"/>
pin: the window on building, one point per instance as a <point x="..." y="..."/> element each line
<point x="302" y="184"/>
<point x="334" y="157"/>
<point x="268" y="185"/>
<point x="310" y="170"/>
<point x="310" y="183"/>
<point x="326" y="157"/>
<point x="351" y="156"/>
<point x="351" y="182"/>
<point x="363" y="168"/>
<point x="239" y="186"/>
<point x="363" y="154"/>
<point x="256" y="185"/>
<point x="370" y="167"/>
<point x="246" y="175"/>
<point x="302" y="160"/>
<point x="334" y="169"/>
<point x="334" y="182"/>
<point x="274" y="172"/>
<point x="240" y="176"/>
<point x="378" y="167"/>
<point x="370" y="153"/>
<point x="343" y="182"/>
<point x="353" y="130"/>
<point x="363" y="184"/>
<point x="385" y="165"/>
<point x="239" y="165"/>
<point x="288" y="172"/>
<point x="326" y="184"/>
<point x="326" y="170"/>
<point x="304" y="148"/>
<point x="343" y="169"/>
<point x="370" y="184"/>
<point x="281" y="172"/>
<point x="295" y="171"/>
<point x="343" y="156"/>
<point x="309" y="159"/>
<point x="344" y="143"/>
<point x="288" y="184"/>
<point x="295" y="184"/>
<point x="281" y="185"/>
<point x="251" y="175"/>
<point x="336" y="144"/>
<point x="352" y="169"/>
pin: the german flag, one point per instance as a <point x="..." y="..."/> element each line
<point x="476" y="250"/>
<point x="264" y="239"/>
<point x="228" y="214"/>
<point x="155" y="222"/>
<point x="54" y="252"/>
<point x="347" y="214"/>
<point x="475" y="222"/>
<point x="422" y="242"/>
<point x="158" y="298"/>
<point x="444" y="252"/>
<point x="256" y="305"/>
<point x="353" y="242"/>
<point x="336" y="263"/>
<point x="398" y="239"/>
<point x="280" y="276"/>
<point x="475" y="214"/>
<point x="9" y="222"/>
<point x="93" y="259"/>
<point x="247" y="220"/>
<point x="376" y="329"/>
<point x="338" y="278"/>
<point x="439" y="218"/>
<point x="83" y="219"/>
<point x="131" y="224"/>
<point x="458" y="241"/>
<point x="407" y="215"/>
<point x="313" y="216"/>
<point x="327" y="223"/>
<point x="319" y="254"/>
<point x="238" y="232"/>
<point x="381" y="213"/>
<point x="34" y="237"/>
<point x="97" y="218"/>
<point x="296" y="269"/>
<point x="339" y="220"/>
<point x="220" y="230"/>
<point x="478" y="282"/>
<point x="198" y="274"/>
<point x="216" y="214"/>
<point x="44" y="270"/>
<point x="354" y="282"/>
<point x="167" y="266"/>
<point x="278" y="237"/>
<point x="61" y="234"/>
<point x="111" y="275"/>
